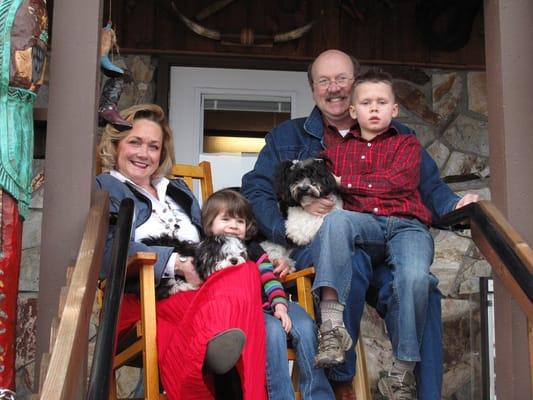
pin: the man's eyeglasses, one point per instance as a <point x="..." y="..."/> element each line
<point x="341" y="81"/>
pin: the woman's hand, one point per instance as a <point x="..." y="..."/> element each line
<point x="186" y="269"/>
<point x="280" y="312"/>
<point x="319" y="207"/>
<point x="281" y="267"/>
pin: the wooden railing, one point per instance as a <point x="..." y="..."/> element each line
<point x="510" y="257"/>
<point x="66" y="372"/>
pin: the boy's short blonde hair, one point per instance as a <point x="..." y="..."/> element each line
<point x="374" y="75"/>
<point x="233" y="204"/>
<point x="107" y="148"/>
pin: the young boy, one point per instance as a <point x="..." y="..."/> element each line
<point x="378" y="169"/>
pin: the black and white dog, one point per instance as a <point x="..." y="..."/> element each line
<point x="298" y="183"/>
<point x="218" y="252"/>
<point x="211" y="254"/>
<point x="173" y="284"/>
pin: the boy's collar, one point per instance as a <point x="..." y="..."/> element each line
<point x="356" y="131"/>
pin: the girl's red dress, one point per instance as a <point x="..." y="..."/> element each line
<point x="186" y="321"/>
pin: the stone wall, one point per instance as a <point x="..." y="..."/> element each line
<point x="448" y="110"/>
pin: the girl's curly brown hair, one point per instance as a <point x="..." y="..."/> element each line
<point x="233" y="204"/>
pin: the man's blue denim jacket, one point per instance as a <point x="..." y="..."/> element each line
<point x="302" y="138"/>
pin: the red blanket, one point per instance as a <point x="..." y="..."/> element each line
<point x="230" y="298"/>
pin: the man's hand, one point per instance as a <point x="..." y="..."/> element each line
<point x="281" y="267"/>
<point x="319" y="207"/>
<point x="467" y="199"/>
<point x="187" y="270"/>
<point x="280" y="312"/>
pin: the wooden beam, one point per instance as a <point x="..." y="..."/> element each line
<point x="360" y="381"/>
<point x="499" y="268"/>
<point x="72" y="121"/>
<point x="522" y="249"/>
<point x="69" y="354"/>
<point x="530" y="341"/>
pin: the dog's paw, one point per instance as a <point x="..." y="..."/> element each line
<point x="292" y="265"/>
<point x="276" y="251"/>
<point x="181" y="287"/>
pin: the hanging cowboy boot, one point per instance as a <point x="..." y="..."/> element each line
<point x="110" y="69"/>
<point x="108" y="41"/>
<point x="108" y="110"/>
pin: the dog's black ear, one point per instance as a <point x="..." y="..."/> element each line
<point x="163" y="240"/>
<point x="281" y="180"/>
<point x="326" y="173"/>
<point x="186" y="248"/>
<point x="326" y="160"/>
<point x="203" y="257"/>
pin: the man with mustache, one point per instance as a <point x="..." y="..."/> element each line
<point x="331" y="77"/>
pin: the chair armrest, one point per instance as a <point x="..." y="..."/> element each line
<point x="137" y="260"/>
<point x="293" y="276"/>
<point x="302" y="280"/>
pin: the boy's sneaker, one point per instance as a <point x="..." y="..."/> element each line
<point x="333" y="342"/>
<point x="397" y="386"/>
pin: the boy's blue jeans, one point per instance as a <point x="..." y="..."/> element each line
<point x="313" y="381"/>
<point x="409" y="254"/>
<point x="358" y="240"/>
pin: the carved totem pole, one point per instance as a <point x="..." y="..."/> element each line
<point x="23" y="42"/>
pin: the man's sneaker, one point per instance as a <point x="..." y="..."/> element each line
<point x="397" y="386"/>
<point x="333" y="342"/>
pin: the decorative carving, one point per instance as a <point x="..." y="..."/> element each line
<point x="247" y="36"/>
<point x="23" y="29"/>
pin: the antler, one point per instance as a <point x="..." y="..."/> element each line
<point x="294" y="34"/>
<point x="193" y="26"/>
<point x="246" y="37"/>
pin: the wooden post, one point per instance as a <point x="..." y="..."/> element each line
<point x="71" y="132"/>
<point x="509" y="56"/>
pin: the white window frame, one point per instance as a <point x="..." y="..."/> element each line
<point x="189" y="84"/>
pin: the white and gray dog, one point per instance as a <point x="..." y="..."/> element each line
<point x="218" y="252"/>
<point x="297" y="184"/>
<point x="211" y="254"/>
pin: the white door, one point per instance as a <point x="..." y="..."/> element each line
<point x="189" y="86"/>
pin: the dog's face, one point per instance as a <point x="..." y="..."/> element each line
<point x="218" y="252"/>
<point x="167" y="285"/>
<point x="299" y="182"/>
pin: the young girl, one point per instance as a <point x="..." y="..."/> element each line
<point x="227" y="212"/>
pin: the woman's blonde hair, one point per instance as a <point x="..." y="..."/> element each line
<point x="107" y="149"/>
<point x="234" y="205"/>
